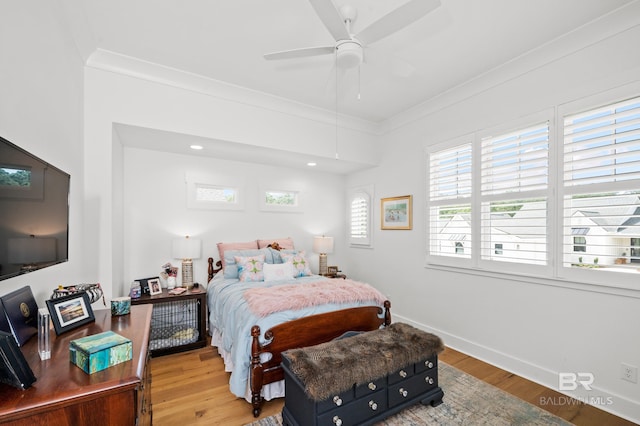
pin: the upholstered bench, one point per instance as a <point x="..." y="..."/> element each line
<point x="361" y="379"/>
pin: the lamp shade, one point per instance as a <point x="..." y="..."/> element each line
<point x="323" y="245"/>
<point x="186" y="248"/>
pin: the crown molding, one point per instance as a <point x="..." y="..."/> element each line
<point x="133" y="67"/>
<point x="616" y="22"/>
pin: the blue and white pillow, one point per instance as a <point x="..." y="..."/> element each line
<point x="250" y="268"/>
<point x="299" y="263"/>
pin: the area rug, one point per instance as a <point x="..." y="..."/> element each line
<point x="467" y="401"/>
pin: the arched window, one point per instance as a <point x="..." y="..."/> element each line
<point x="359" y="216"/>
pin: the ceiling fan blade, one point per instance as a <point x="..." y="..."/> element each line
<point x="396" y="20"/>
<point x="300" y="53"/>
<point x="331" y="18"/>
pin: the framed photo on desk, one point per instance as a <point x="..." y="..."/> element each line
<point x="69" y="312"/>
<point x="154" y="286"/>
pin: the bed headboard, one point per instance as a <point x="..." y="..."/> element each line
<point x="212" y="270"/>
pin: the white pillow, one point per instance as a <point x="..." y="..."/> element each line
<point x="277" y="271"/>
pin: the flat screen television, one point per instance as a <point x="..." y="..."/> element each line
<point x="34" y="212"/>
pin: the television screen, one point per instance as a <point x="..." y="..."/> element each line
<point x="34" y="212"/>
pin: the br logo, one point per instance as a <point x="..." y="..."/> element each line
<point x="570" y="381"/>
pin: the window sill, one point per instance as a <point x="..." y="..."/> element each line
<point x="617" y="290"/>
<point x="361" y="246"/>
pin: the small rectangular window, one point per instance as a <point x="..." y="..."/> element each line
<point x="281" y="198"/>
<point x="215" y="194"/>
<point x="204" y="193"/>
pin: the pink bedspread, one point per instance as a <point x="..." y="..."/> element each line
<point x="264" y="301"/>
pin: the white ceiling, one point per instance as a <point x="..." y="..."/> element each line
<point x="226" y="40"/>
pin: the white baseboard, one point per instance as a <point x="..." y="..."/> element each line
<point x="598" y="397"/>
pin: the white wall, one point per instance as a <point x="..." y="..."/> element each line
<point x="155" y="209"/>
<point x="41" y="101"/>
<point x="533" y="329"/>
<point x="114" y="98"/>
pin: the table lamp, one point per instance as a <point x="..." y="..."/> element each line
<point x="322" y="246"/>
<point x="186" y="249"/>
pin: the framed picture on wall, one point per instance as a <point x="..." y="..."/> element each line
<point x="396" y="212"/>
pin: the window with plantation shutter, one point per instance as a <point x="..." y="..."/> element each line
<point x="450" y="189"/>
<point x="554" y="195"/>
<point x="514" y="169"/>
<point x="602" y="187"/>
<point x="359" y="212"/>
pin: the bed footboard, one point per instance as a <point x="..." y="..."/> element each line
<point x="307" y="331"/>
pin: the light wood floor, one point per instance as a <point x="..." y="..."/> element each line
<point x="192" y="388"/>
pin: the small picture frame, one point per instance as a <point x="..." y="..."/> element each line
<point x="332" y="270"/>
<point x="396" y="212"/>
<point x="69" y="312"/>
<point x="154" y="286"/>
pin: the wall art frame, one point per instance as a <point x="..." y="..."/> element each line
<point x="396" y="213"/>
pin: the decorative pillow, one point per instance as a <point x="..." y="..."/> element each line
<point x="223" y="247"/>
<point x="299" y="263"/>
<point x="231" y="267"/>
<point x="277" y="254"/>
<point x="280" y="271"/>
<point x="250" y="268"/>
<point x="284" y="243"/>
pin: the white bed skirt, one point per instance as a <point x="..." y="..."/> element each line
<point x="269" y="392"/>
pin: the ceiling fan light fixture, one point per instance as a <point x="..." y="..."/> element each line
<point x="349" y="54"/>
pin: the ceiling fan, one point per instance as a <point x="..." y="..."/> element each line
<point x="348" y="47"/>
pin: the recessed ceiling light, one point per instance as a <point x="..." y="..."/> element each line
<point x="197" y="147"/>
<point x="311" y="164"/>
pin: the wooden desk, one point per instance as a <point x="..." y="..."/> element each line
<point x="63" y="394"/>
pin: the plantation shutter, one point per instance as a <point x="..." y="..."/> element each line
<point x="513" y="200"/>
<point x="450" y="180"/>
<point x="360" y="219"/>
<point x="601" y="185"/>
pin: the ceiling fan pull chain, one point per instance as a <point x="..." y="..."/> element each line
<point x="336" y="68"/>
<point x="359" y="68"/>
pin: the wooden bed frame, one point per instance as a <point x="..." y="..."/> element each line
<point x="307" y="331"/>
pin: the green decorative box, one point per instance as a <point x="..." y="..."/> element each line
<point x="99" y="351"/>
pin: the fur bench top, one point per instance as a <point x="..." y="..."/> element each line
<point x="333" y="367"/>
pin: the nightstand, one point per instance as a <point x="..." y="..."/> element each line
<point x="343" y="276"/>
<point x="178" y="322"/>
